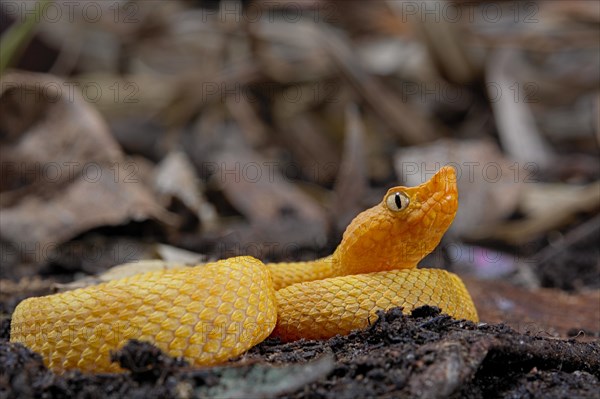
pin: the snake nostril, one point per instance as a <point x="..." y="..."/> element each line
<point x="287" y="210"/>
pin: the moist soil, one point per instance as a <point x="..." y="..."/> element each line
<point x="425" y="354"/>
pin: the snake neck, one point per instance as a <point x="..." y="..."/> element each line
<point x="288" y="273"/>
<point x="392" y="235"/>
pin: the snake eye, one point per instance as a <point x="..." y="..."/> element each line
<point x="397" y="202"/>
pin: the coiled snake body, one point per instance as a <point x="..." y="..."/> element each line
<point x="213" y="312"/>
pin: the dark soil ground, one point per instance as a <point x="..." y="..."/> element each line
<point x="426" y="355"/>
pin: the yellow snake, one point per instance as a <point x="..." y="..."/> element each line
<point x="213" y="312"/>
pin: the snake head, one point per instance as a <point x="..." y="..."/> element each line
<point x="402" y="229"/>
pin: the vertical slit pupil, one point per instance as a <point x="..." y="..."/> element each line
<point x="397" y="200"/>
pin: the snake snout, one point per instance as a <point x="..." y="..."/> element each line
<point x="442" y="188"/>
<point x="445" y="180"/>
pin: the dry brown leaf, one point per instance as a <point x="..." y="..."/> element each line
<point x="175" y="177"/>
<point x="288" y="52"/>
<point x="63" y="173"/>
<point x="547" y="312"/>
<point x="547" y="207"/>
<point x="278" y="211"/>
<point x="391" y="56"/>
<point x="37" y="226"/>
<point x="51" y="133"/>
<point x="118" y="272"/>
<point x="352" y="182"/>
<point x="258" y="190"/>
<point x="401" y="118"/>
<point x="316" y="155"/>
<point x="140" y="96"/>
<point x="443" y="40"/>
<point x="170" y="258"/>
<point x="517" y="128"/>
